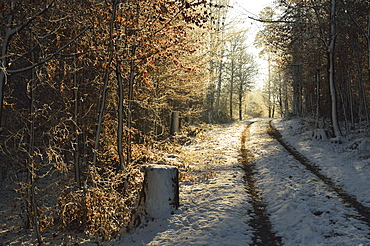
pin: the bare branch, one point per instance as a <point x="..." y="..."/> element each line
<point x="50" y="56"/>
<point x="281" y="21"/>
<point x="24" y="24"/>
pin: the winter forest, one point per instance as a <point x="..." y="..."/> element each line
<point x="87" y="90"/>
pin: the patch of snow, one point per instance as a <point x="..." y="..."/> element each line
<point x="347" y="168"/>
<point x="160" y="191"/>
<point x="302" y="210"/>
<point x="212" y="211"/>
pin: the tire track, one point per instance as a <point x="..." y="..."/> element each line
<point x="347" y="199"/>
<point x="263" y="231"/>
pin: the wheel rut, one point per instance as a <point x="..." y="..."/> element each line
<point x="347" y="199"/>
<point x="263" y="231"/>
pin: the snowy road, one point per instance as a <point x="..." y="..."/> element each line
<point x="301" y="209"/>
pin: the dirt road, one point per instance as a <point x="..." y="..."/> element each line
<point x="304" y="206"/>
<point x="249" y="190"/>
<point x="241" y="186"/>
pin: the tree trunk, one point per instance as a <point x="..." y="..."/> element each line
<point x="350" y="95"/>
<point x="318" y="77"/>
<point x="175" y="123"/>
<point x="241" y="102"/>
<point x="286" y="101"/>
<point x="129" y="109"/>
<point x="219" y="84"/>
<point x="120" y="117"/>
<point x="297" y="90"/>
<point x="161" y="190"/>
<point x="231" y="88"/>
<point x="333" y="94"/>
<point x="4" y="65"/>
<point x="269" y="86"/>
<point x="334" y="111"/>
<point x="100" y="117"/>
<point x="344" y="101"/>
<point x="76" y="129"/>
<point x="368" y="42"/>
<point x="105" y="87"/>
<point x="31" y="175"/>
<point x="160" y="194"/>
<point x="361" y="88"/>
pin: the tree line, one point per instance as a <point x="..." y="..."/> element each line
<point x="319" y="57"/>
<point x="232" y="68"/>
<point x="86" y="90"/>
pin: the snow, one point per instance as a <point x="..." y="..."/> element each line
<point x="213" y="211"/>
<point x="160" y="191"/>
<point x="346" y="164"/>
<point x="302" y="209"/>
<point x="215" y="206"/>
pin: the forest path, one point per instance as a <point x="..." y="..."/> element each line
<point x="304" y="206"/>
<point x="240" y="186"/>
<point x="290" y="204"/>
<point x="263" y="232"/>
<point x="346" y="199"/>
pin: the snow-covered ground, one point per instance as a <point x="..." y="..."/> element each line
<point x="213" y="210"/>
<point x="303" y="210"/>
<point x="215" y="205"/>
<point x="216" y="210"/>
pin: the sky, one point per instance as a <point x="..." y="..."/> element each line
<point x="244" y="9"/>
<point x="250" y="8"/>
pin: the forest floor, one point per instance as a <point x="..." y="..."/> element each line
<point x="243" y="187"/>
<point x="232" y="205"/>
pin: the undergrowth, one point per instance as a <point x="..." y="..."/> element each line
<point x="104" y="206"/>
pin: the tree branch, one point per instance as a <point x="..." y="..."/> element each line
<point x="50" y="56"/>
<point x="24" y="24"/>
<point x="281" y="21"/>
